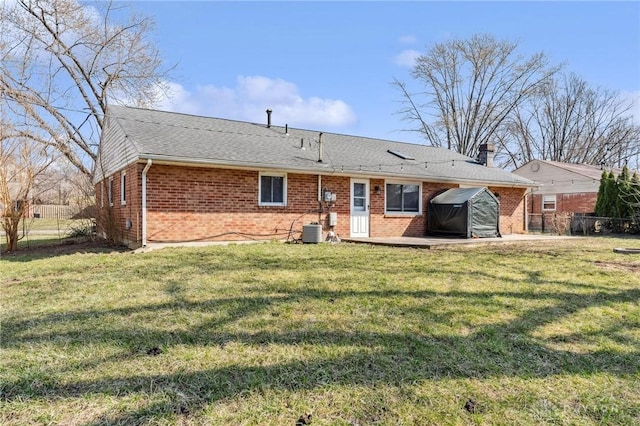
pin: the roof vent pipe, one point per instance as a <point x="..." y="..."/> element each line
<point x="320" y="148"/>
<point x="269" y="118"/>
<point x="286" y="129"/>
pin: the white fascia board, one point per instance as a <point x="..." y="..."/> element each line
<point x="323" y="169"/>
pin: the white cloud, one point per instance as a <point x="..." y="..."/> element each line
<point x="407" y="39"/>
<point x="8" y="5"/>
<point x="252" y="95"/>
<point x="407" y="58"/>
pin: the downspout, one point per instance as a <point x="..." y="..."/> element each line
<point x="144" y="202"/>
<point x="320" y="199"/>
<point x="526" y="209"/>
<point x="320" y="155"/>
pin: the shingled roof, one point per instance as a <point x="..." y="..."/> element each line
<point x="134" y="134"/>
<point x="587" y="170"/>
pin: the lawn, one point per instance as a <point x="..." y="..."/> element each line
<point x="38" y="232"/>
<point x="354" y="334"/>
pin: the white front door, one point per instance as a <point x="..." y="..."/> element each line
<point x="359" y="207"/>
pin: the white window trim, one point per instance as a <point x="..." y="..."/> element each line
<point x="284" y="188"/>
<point x="110" y="191"/>
<point x="401" y="182"/>
<point x="102" y="193"/>
<point x="123" y="188"/>
<point x="555" y="202"/>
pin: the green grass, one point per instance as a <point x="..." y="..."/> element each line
<point x="62" y="225"/>
<point x="53" y="224"/>
<point x="357" y="335"/>
<point x="39" y="232"/>
<point x="32" y="241"/>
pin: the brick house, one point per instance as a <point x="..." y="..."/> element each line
<point x="163" y="176"/>
<point x="563" y="188"/>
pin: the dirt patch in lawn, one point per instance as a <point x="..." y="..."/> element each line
<point x="620" y="266"/>
<point x="65" y="247"/>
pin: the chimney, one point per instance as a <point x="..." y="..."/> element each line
<point x="486" y="154"/>
<point x="269" y="118"/>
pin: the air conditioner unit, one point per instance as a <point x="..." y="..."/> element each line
<point x="312" y="233"/>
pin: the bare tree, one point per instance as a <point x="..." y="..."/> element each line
<point x="21" y="162"/>
<point x="470" y="88"/>
<point x="569" y="121"/>
<point x="64" y="62"/>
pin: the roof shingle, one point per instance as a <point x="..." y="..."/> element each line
<point x="175" y="137"/>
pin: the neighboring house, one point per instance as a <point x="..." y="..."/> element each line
<point x="164" y="176"/>
<point x="14" y="195"/>
<point x="563" y="188"/>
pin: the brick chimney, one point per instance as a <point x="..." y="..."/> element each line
<point x="486" y="154"/>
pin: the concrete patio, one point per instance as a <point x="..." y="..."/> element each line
<point x="417" y="242"/>
<point x="440" y="242"/>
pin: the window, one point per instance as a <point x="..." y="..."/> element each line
<point x="110" y="191"/>
<point x="402" y="198"/>
<point x="273" y="189"/>
<point x="123" y="188"/>
<point x="359" y="197"/>
<point x="548" y="202"/>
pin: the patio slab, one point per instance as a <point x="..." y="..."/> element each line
<point x="439" y="242"/>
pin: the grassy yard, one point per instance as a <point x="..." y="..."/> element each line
<point x="61" y="225"/>
<point x="355" y="335"/>
<point x="38" y="232"/>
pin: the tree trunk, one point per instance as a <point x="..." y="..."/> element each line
<point x="11" y="232"/>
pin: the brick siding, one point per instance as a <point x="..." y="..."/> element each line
<point x="511" y="209"/>
<point x="113" y="219"/>
<point x="207" y="204"/>
<point x="582" y="202"/>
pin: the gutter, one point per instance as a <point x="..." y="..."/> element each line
<point x="320" y="199"/>
<point x="144" y="202"/>
<point x="328" y="170"/>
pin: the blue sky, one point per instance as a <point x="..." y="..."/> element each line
<point x="328" y="66"/>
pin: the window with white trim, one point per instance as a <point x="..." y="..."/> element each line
<point x="401" y="197"/>
<point x="548" y="202"/>
<point x="272" y="189"/>
<point x="110" y="191"/>
<point x="123" y="188"/>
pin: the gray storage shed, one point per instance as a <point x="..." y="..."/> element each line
<point x="464" y="212"/>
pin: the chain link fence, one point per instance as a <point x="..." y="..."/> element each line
<point x="582" y="224"/>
